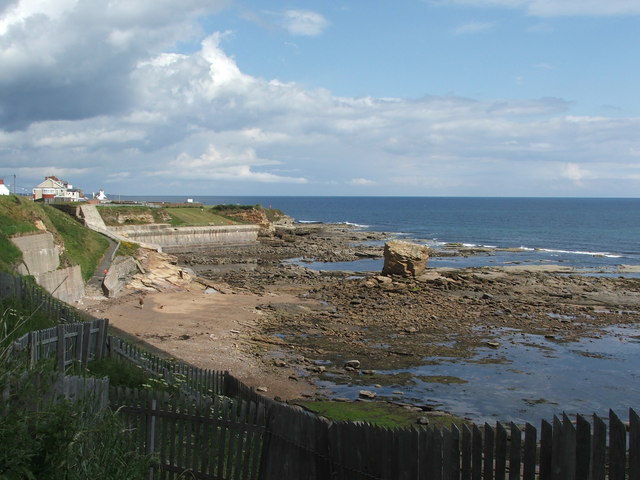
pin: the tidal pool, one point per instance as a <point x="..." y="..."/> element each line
<point x="535" y="379"/>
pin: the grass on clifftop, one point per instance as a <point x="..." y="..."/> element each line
<point x="175" y="216"/>
<point x="197" y="216"/>
<point x="20" y="215"/>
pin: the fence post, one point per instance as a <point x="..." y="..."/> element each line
<point x="101" y="342"/>
<point x="86" y="343"/>
<point x="151" y="430"/>
<point x="61" y="347"/>
<point x="33" y="348"/>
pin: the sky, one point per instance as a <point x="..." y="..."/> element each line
<point x="409" y="98"/>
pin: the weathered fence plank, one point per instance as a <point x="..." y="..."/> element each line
<point x="634" y="444"/>
<point x="466" y="453"/>
<point x="598" y="449"/>
<point x="617" y="447"/>
<point x="529" y="456"/>
<point x="583" y="447"/>
<point x="501" y="451"/>
<point x="515" y="452"/>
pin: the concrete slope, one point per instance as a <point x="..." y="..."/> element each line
<point x="93" y="220"/>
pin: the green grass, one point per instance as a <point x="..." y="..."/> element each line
<point x="381" y="414"/>
<point x="196" y="216"/>
<point x="82" y="246"/>
<point x="175" y="216"/>
<point x="128" y="249"/>
<point x="133" y="215"/>
<point x="19" y="215"/>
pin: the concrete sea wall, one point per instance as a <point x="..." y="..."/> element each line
<point x="172" y="238"/>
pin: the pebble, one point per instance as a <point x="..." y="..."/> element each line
<point x="367" y="394"/>
<point x="355" y="364"/>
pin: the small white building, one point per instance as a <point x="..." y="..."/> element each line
<point x="54" y="188"/>
<point x="3" y="188"/>
<point x="100" y="196"/>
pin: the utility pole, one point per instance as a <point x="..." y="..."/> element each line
<point x="14" y="183"/>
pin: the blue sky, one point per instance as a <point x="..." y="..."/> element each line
<point x="424" y="97"/>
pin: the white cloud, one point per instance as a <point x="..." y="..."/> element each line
<point x="139" y="116"/>
<point x="358" y="182"/>
<point x="304" y="23"/>
<point x="217" y="165"/>
<point x="473" y="27"/>
<point x="575" y="173"/>
<point x="552" y="8"/>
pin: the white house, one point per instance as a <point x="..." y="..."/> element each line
<point x="54" y="188"/>
<point x="3" y="188"/>
<point x="100" y="196"/>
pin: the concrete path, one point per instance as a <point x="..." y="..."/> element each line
<point x="105" y="263"/>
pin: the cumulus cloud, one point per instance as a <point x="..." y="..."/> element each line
<point x="138" y="116"/>
<point x="304" y="23"/>
<point x="67" y="59"/>
<point x="217" y="165"/>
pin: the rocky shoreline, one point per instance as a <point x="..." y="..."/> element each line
<point x="389" y="322"/>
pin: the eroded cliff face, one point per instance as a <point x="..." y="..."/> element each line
<point x="123" y="218"/>
<point x="158" y="272"/>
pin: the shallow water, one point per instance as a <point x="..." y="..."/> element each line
<point x="526" y="378"/>
<point x="471" y="261"/>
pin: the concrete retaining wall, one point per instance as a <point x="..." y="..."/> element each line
<point x="118" y="274"/>
<point x="65" y="284"/>
<point x="167" y="236"/>
<point x="41" y="258"/>
<point x="39" y="254"/>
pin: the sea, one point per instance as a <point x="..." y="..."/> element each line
<point x="536" y="377"/>
<point x="593" y="233"/>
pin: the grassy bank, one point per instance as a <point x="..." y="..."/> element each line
<point x="187" y="215"/>
<point x="21" y="216"/>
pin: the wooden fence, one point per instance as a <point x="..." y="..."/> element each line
<point x="194" y="437"/>
<point x="297" y="444"/>
<point x="186" y="378"/>
<point x="561" y="451"/>
<point x="69" y="344"/>
<point x="19" y="287"/>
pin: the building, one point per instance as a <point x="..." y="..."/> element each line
<point x="100" y="196"/>
<point x="55" y="189"/>
<point x="3" y="188"/>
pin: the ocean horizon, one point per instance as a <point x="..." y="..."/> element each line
<point x="591" y="233"/>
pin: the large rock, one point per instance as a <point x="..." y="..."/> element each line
<point x="404" y="258"/>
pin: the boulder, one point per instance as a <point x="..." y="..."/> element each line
<point x="404" y="258"/>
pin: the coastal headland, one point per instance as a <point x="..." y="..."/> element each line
<point x="293" y="332"/>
